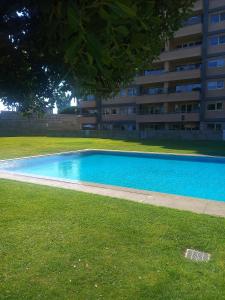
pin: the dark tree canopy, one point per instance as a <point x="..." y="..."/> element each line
<point x="93" y="47"/>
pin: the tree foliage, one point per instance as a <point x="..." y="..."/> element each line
<point x="92" y="46"/>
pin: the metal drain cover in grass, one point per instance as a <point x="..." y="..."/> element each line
<point x="197" y="255"/>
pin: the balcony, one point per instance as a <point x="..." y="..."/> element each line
<point x="169" y="76"/>
<point x="169" y="117"/>
<point x="189" y="30"/>
<point x="119" y="100"/>
<point x="88" y="119"/>
<point x="198" y="5"/>
<point x="216" y="3"/>
<point x="119" y="117"/>
<point x="169" y="97"/>
<point x="87" y="104"/>
<point x="182" y="53"/>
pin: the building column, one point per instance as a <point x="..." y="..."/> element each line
<point x="167" y="46"/>
<point x="167" y="66"/>
<point x="204" y="60"/>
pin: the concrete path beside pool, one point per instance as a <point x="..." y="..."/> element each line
<point x="214" y="208"/>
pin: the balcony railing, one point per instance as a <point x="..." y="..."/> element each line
<point x="158" y="91"/>
<point x="192" y="21"/>
<point x="188" y="67"/>
<point x="143" y="112"/>
<point x="181" y="68"/>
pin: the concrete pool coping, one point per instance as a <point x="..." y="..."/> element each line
<point x="197" y="205"/>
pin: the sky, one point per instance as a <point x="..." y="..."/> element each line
<point x="2" y="107"/>
<point x="73" y="102"/>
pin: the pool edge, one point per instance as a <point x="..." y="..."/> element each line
<point x="185" y="203"/>
<point x="196" y="205"/>
<point x="114" y="150"/>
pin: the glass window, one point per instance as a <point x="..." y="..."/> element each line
<point x="218" y="127"/>
<point x="222" y="39"/>
<point x="222" y="17"/>
<point x="123" y="92"/>
<point x="211" y="126"/>
<point x="219" y="106"/>
<point x="189" y="107"/>
<point x="211" y="107"/>
<point x="153" y="72"/>
<point x="188" y="87"/>
<point x="90" y="98"/>
<point x="114" y="111"/>
<point x="132" y="92"/>
<point x="214" y="126"/>
<point x="123" y="110"/>
<point x="220" y="84"/>
<point x="130" y="110"/>
<point x="198" y="43"/>
<point x="215" y="19"/>
<point x="214" y="41"/>
<point x="216" y="63"/>
<point x="214" y="85"/>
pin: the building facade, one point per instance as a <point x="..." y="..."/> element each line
<point x="185" y="88"/>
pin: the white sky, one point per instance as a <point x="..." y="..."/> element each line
<point x="73" y="102"/>
<point x="2" y="107"/>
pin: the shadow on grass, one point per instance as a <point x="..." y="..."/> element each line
<point x="199" y="147"/>
<point x="204" y="147"/>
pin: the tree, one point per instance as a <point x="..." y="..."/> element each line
<point x="94" y="47"/>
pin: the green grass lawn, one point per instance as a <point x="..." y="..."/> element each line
<point x="61" y="244"/>
<point x="21" y="146"/>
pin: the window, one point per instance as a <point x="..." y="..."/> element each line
<point x="214" y="41"/>
<point x="154" y="72"/>
<point x="188" y="67"/>
<point x="215" y="106"/>
<point x="88" y="126"/>
<point x="222" y="17"/>
<point x="192" y="20"/>
<point x="217" y="18"/>
<point x="211" y="107"/>
<point x="132" y="92"/>
<point x="218" y="127"/>
<point x="114" y="111"/>
<point x="216" y="63"/>
<point x="123" y="92"/>
<point x="214" y="126"/>
<point x="131" y="127"/>
<point x="106" y="111"/>
<point x="219" y="106"/>
<point x="90" y="97"/>
<point x="189" y="44"/>
<point x="131" y="110"/>
<point x="153" y="91"/>
<point x="222" y="39"/>
<point x="217" y="40"/>
<point x="188" y="87"/>
<point x="216" y="85"/>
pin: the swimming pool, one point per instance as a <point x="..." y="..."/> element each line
<point x="193" y="176"/>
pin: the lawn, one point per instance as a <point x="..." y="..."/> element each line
<point x="21" y="146"/>
<point x="61" y="244"/>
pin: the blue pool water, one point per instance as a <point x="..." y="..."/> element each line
<point x="201" y="177"/>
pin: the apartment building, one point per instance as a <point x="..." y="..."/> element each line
<point x="184" y="89"/>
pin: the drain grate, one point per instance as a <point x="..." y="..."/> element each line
<point x="197" y="255"/>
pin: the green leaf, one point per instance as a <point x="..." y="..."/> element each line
<point x="72" y="17"/>
<point x="129" y="11"/>
<point x="95" y="48"/>
<point x="123" y="30"/>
